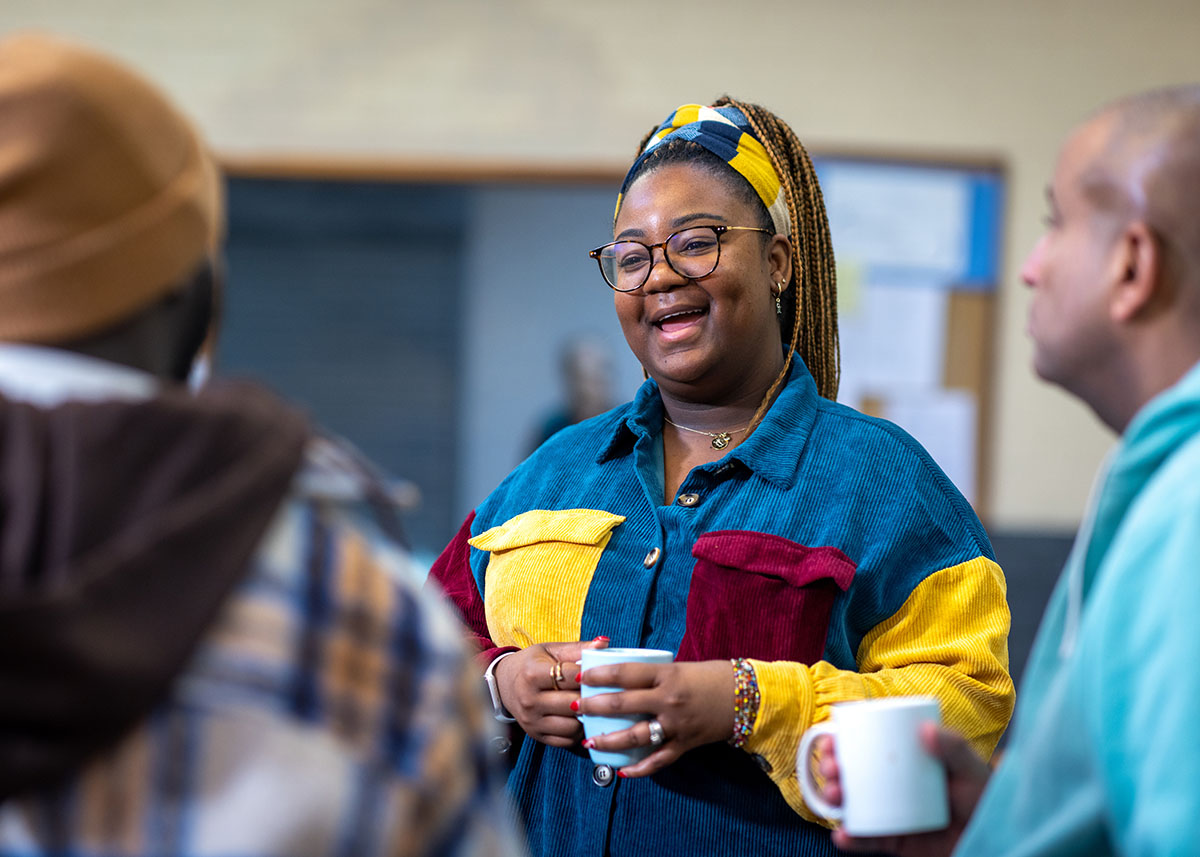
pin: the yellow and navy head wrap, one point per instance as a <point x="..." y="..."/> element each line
<point x="726" y="133"/>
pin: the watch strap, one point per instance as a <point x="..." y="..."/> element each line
<point x="489" y="679"/>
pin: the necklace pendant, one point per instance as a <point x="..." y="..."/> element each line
<point x="720" y="441"/>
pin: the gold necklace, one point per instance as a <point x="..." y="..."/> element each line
<point x="720" y="439"/>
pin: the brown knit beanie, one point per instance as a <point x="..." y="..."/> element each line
<point x="108" y="196"/>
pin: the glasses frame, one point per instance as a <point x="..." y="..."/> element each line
<point x="719" y="229"/>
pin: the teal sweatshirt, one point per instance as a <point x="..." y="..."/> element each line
<point x="1105" y="753"/>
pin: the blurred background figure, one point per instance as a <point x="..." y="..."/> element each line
<point x="587" y="379"/>
<point x="200" y="653"/>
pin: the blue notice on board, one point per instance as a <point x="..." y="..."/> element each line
<point x="908" y="224"/>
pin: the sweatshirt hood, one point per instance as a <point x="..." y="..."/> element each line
<point x="123" y="527"/>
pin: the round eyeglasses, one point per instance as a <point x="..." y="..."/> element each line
<point x="692" y="253"/>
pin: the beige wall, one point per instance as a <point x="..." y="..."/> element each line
<point x="578" y="82"/>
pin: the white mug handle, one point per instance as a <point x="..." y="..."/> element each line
<point x="808" y="786"/>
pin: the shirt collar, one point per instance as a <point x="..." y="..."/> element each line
<point x="47" y="377"/>
<point x="642" y="418"/>
<point x="772" y="451"/>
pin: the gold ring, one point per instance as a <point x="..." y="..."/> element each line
<point x="556" y="674"/>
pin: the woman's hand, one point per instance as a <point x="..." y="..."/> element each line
<point x="693" y="702"/>
<point x="526" y="681"/>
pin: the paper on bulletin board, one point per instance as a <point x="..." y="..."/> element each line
<point x="944" y="422"/>
<point x="850" y="273"/>
<point x="895" y="341"/>
<point x="900" y="217"/>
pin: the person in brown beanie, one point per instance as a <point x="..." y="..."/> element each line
<point x="200" y="653"/>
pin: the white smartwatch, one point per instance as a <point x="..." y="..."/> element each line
<point x="489" y="678"/>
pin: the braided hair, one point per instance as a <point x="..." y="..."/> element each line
<point x="809" y="318"/>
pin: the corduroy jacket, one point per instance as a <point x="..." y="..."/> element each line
<point x="827" y="547"/>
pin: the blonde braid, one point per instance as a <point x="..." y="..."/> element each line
<point x="645" y="140"/>
<point x="813" y="296"/>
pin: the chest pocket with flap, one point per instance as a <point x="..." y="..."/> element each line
<point x="538" y="575"/>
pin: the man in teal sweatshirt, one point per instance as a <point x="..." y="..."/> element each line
<point x="1104" y="756"/>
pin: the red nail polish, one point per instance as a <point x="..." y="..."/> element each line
<point x="601" y="637"/>
<point x="574" y="704"/>
<point x="578" y="676"/>
<point x="588" y="743"/>
<point x="622" y="774"/>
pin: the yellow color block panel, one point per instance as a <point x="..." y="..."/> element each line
<point x="540" y="569"/>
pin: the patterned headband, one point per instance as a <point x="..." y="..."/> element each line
<point x="726" y="133"/>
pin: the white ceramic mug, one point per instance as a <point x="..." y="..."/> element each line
<point x="594" y="725"/>
<point x="890" y="783"/>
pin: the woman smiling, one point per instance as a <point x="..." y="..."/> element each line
<point x="793" y="552"/>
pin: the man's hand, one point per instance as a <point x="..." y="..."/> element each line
<point x="966" y="777"/>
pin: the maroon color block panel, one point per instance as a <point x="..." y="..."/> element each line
<point x="452" y="573"/>
<point x="755" y="595"/>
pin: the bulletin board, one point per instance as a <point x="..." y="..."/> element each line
<point x="919" y="248"/>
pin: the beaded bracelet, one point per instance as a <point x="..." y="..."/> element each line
<point x="745" y="701"/>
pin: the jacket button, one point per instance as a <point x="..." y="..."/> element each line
<point x="688" y="499"/>
<point x="652" y="558"/>
<point x="602" y="775"/>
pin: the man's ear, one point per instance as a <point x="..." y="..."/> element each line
<point x="194" y="309"/>
<point x="1137" y="266"/>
